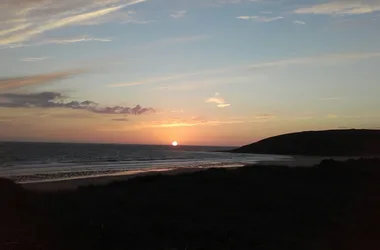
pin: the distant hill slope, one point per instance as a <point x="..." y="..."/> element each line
<point x="319" y="143"/>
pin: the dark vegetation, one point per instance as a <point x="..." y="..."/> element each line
<point x="319" y="143"/>
<point x="331" y="206"/>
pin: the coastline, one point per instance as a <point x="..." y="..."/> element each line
<point x="72" y="184"/>
<point x="332" y="204"/>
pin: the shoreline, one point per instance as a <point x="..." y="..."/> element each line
<point x="72" y="184"/>
<point x="332" y="204"/>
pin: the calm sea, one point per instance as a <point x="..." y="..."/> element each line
<point x="34" y="162"/>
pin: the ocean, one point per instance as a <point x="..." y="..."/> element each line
<point x="26" y="162"/>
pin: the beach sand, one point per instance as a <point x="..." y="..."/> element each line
<point x="332" y="206"/>
<point x="72" y="184"/>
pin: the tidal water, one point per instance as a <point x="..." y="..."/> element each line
<point x="35" y="162"/>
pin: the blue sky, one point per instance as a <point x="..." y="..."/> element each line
<point x="223" y="72"/>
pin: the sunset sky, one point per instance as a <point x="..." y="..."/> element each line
<point x="202" y="72"/>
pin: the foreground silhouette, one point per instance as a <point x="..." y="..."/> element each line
<point x="319" y="143"/>
<point x="331" y="206"/>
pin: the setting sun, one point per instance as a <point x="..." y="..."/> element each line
<point x="174" y="143"/>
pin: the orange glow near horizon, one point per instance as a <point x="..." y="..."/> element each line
<point x="61" y="125"/>
<point x="174" y="143"/>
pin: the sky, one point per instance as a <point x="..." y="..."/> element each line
<point x="201" y="72"/>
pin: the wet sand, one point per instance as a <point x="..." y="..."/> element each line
<point x="101" y="180"/>
<point x="334" y="205"/>
<point x="72" y="184"/>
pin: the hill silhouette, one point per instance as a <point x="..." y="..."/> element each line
<point x="319" y="143"/>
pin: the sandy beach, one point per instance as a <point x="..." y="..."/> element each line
<point x="101" y="180"/>
<point x="335" y="204"/>
<point x="71" y="184"/>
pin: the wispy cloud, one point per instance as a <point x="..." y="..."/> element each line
<point x="57" y="100"/>
<point x="261" y="19"/>
<point x="209" y="77"/>
<point x="45" y="41"/>
<point x="138" y="21"/>
<point x="183" y="39"/>
<point x="26" y="35"/>
<point x="121" y="17"/>
<point x="332" y="116"/>
<point x="33" y="59"/>
<point x="170" y="78"/>
<point x="299" y="22"/>
<point x="38" y="17"/>
<point x="67" y="114"/>
<point x="218" y="100"/>
<point x="76" y="40"/>
<point x="127" y="84"/>
<point x="317" y="59"/>
<point x="120" y="120"/>
<point x="332" y="98"/>
<point x="346" y="7"/>
<point x="265" y="117"/>
<point x="23" y="81"/>
<point x="173" y="40"/>
<point x="14" y="29"/>
<point x="203" y="82"/>
<point x="303" y="117"/>
<point x="188" y="123"/>
<point x="178" y="13"/>
<point x="150" y="80"/>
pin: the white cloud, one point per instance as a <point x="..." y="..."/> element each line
<point x="14" y="29"/>
<point x="122" y="17"/>
<point x="244" y="17"/>
<point x="218" y="100"/>
<point x="178" y="13"/>
<point x="45" y="41"/>
<point x="76" y="40"/>
<point x="299" y="22"/>
<point x="23" y="20"/>
<point x="223" y="105"/>
<point x="33" y="59"/>
<point x="57" y="24"/>
<point x="261" y="19"/>
<point x="346" y="7"/>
